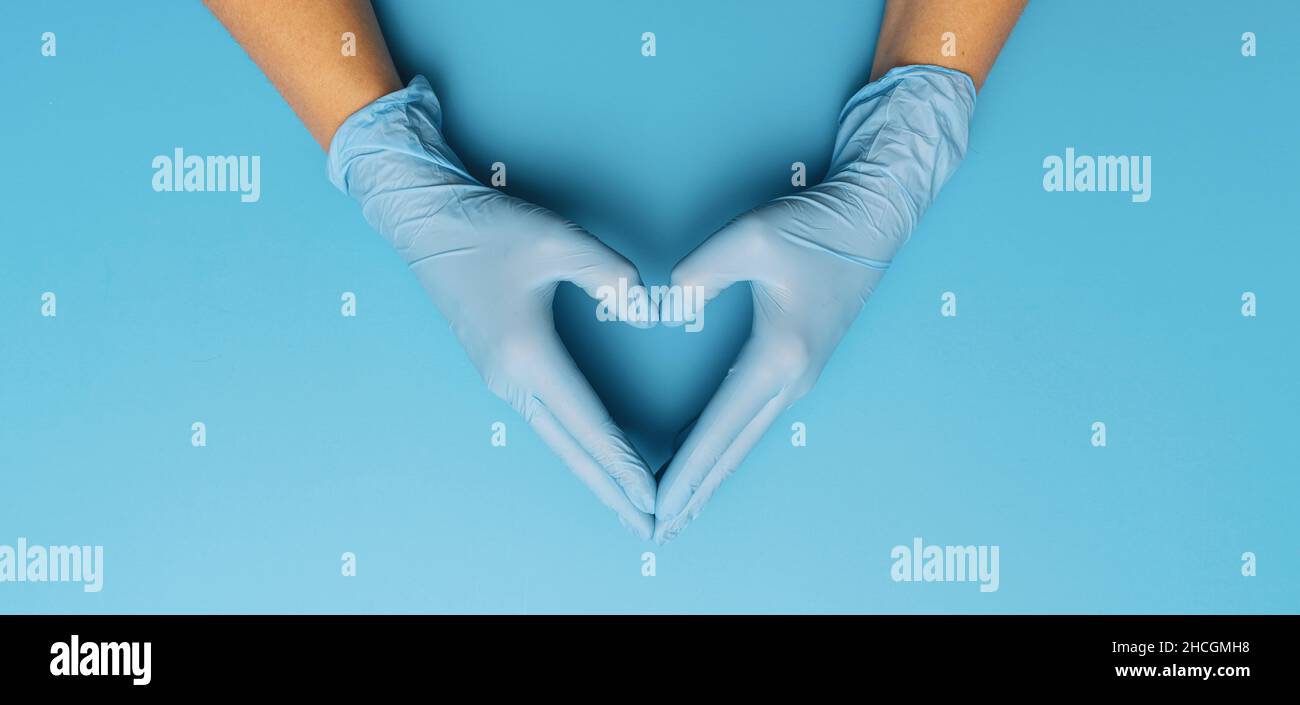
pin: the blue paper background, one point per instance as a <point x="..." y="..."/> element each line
<point x="371" y="434"/>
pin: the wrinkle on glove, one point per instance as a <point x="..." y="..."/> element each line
<point x="491" y="264"/>
<point x="900" y="140"/>
<point x="812" y="259"/>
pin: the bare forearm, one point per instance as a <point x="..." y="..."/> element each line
<point x="298" y="44"/>
<point x="913" y="32"/>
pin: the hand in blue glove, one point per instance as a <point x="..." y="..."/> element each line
<point x="812" y="259"/>
<point x="491" y="264"/>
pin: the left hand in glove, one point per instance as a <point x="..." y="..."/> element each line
<point x="812" y="259"/>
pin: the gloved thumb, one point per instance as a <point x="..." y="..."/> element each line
<point x="733" y="254"/>
<point x="581" y="259"/>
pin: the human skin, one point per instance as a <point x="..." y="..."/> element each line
<point x="912" y="33"/>
<point x="297" y="44"/>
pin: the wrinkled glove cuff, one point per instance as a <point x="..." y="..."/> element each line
<point x="403" y="127"/>
<point x="900" y="138"/>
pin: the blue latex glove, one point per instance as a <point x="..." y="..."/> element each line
<point x="491" y="264"/>
<point x="812" y="259"/>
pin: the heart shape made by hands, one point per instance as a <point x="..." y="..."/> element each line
<point x="655" y="380"/>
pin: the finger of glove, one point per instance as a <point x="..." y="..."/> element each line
<point x="566" y="394"/>
<point x="667" y="528"/>
<point x="745" y="393"/>
<point x="731" y="255"/>
<point x="576" y="256"/>
<point x="592" y="474"/>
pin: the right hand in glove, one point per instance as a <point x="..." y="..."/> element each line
<point x="491" y="264"/>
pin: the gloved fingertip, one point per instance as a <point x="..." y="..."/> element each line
<point x="666" y="509"/>
<point x="665" y="530"/>
<point x="643" y="499"/>
<point x="636" y="480"/>
<point x="642" y="525"/>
